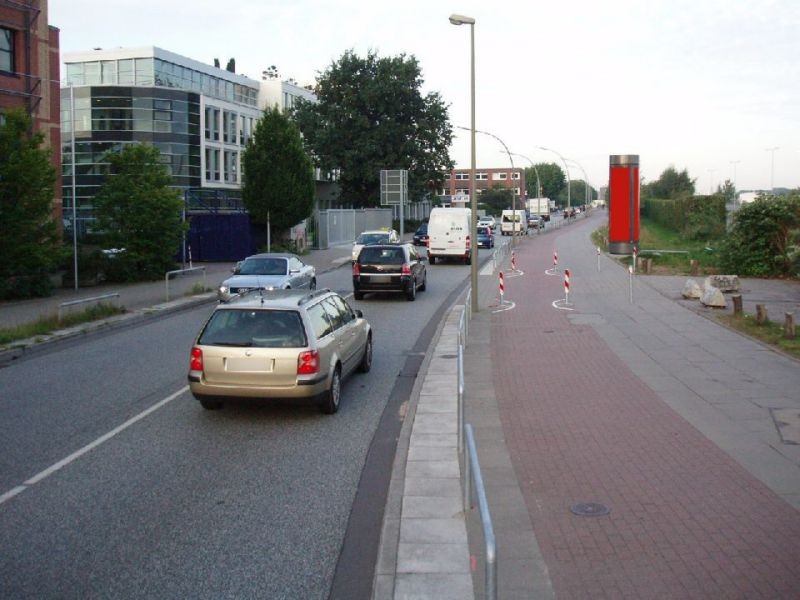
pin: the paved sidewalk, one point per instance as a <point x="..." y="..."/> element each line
<point x="666" y="418"/>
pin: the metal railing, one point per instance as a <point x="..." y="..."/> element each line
<point x="472" y="469"/>
<point x="183" y="272"/>
<point x="63" y="305"/>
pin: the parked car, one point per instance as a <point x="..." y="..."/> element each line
<point x="375" y="236"/>
<point x="389" y="268"/>
<point x="268" y="271"/>
<point x="421" y="235"/>
<point x="535" y="222"/>
<point x="485" y="237"/>
<point x="295" y="344"/>
<point x="488" y="221"/>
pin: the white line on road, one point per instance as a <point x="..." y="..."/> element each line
<point x="78" y="453"/>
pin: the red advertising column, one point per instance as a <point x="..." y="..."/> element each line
<point x="623" y="203"/>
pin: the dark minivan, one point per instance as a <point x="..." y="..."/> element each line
<point x="389" y="268"/>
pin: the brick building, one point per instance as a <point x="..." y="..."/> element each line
<point x="29" y="74"/>
<point x="457" y="184"/>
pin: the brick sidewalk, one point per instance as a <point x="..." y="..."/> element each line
<point x="686" y="520"/>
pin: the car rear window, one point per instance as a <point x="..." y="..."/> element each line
<point x="373" y="238"/>
<point x="258" y="328"/>
<point x="382" y="256"/>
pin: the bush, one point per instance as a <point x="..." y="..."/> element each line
<point x="764" y="239"/>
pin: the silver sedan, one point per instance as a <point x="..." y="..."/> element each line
<point x="274" y="271"/>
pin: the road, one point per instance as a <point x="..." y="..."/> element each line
<point x="101" y="499"/>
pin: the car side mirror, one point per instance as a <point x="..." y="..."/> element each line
<point x="357" y="312"/>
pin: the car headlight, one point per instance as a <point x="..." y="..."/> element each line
<point x="223" y="289"/>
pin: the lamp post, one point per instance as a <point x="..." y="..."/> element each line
<point x="74" y="199"/>
<point x="734" y="163"/>
<point x="473" y="201"/>
<point x="585" y="180"/>
<point x="538" y="181"/>
<point x="566" y="169"/>
<point x="772" y="168"/>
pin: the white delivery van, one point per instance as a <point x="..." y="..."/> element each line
<point x="448" y="234"/>
<point x="513" y="222"/>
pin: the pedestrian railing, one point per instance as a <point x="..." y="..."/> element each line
<point x="472" y="468"/>
<point x="98" y="299"/>
<point x="183" y="272"/>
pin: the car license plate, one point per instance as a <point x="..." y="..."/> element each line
<point x="380" y="278"/>
<point x="249" y="365"/>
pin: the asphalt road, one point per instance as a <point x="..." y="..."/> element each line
<point x="99" y="499"/>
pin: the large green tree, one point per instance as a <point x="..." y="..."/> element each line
<point x="28" y="236"/>
<point x="551" y="178"/>
<point x="496" y="200"/>
<point x="136" y="209"/>
<point x="670" y="185"/>
<point x="371" y="115"/>
<point x="278" y="175"/>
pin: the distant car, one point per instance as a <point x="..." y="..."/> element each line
<point x="488" y="221"/>
<point x="374" y="236"/>
<point x="389" y="268"/>
<point x="269" y="271"/>
<point x="296" y="344"/>
<point x="421" y="235"/>
<point x="535" y="221"/>
<point x="485" y="237"/>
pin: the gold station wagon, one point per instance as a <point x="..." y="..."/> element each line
<point x="282" y="344"/>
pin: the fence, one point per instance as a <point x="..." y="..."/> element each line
<point x="64" y="305"/>
<point x="183" y="272"/>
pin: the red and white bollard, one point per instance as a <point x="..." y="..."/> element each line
<point x="513" y="261"/>
<point x="566" y="286"/>
<point x="502" y="287"/>
<point x="555" y="260"/>
<point x="635" y="254"/>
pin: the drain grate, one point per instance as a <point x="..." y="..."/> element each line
<point x="590" y="509"/>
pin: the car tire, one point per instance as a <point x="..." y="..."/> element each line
<point x="366" y="361"/>
<point x="424" y="285"/>
<point x="431" y="259"/>
<point x="210" y="403"/>
<point x="411" y="292"/>
<point x="358" y="295"/>
<point x="330" y="399"/>
<point x="313" y="284"/>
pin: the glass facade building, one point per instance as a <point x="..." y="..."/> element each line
<point x="199" y="117"/>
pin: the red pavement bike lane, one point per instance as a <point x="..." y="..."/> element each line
<point x="686" y="520"/>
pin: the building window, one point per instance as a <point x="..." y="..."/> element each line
<point x="212" y="164"/>
<point x="7" y="58"/>
<point x="515" y="176"/>
<point x="462" y="176"/>
<point x="229" y="127"/>
<point x="212" y="123"/>
<point x="125" y="71"/>
<point x="230" y="166"/>
<point x="108" y="71"/>
<point x="481" y="176"/>
<point x="501" y="176"/>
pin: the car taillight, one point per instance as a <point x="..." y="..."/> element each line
<point x="428" y="242"/>
<point x="356" y="270"/>
<point x="308" y="362"/>
<point x="406" y="270"/>
<point x="196" y="361"/>
<point x="468" y="242"/>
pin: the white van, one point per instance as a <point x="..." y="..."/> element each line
<point x="513" y="222"/>
<point x="448" y="234"/>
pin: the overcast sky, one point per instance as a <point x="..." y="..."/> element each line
<point x="696" y="84"/>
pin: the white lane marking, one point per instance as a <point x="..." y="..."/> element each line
<point x="90" y="446"/>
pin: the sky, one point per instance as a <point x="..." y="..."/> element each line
<point x="709" y="86"/>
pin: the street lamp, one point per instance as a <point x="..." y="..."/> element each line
<point x="473" y="201"/>
<point x="566" y="168"/>
<point x="74" y="198"/>
<point x="734" y="163"/>
<point x="772" y="168"/>
<point x="538" y="181"/>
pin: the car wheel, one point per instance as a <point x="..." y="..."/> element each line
<point x="358" y="295"/>
<point x="330" y="399"/>
<point x="431" y="259"/>
<point x="210" y="403"/>
<point x="313" y="284"/>
<point x="411" y="292"/>
<point x="366" y="360"/>
<point x="424" y="285"/>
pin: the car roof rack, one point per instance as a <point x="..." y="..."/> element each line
<point x="311" y="295"/>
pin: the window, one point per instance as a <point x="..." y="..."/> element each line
<point x="7" y="58"/>
<point x="212" y="123"/>
<point x="212" y="164"/>
<point x="125" y="71"/>
<point x="344" y="308"/>
<point x="230" y="166"/>
<point x="319" y="321"/>
<point x="108" y="71"/>
<point x="515" y="175"/>
<point x="501" y="176"/>
<point x="462" y="176"/>
<point x="481" y="176"/>
<point x="162" y="110"/>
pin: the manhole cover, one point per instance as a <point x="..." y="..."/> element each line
<point x="590" y="509"/>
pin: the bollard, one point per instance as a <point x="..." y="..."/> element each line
<point x="788" y="326"/>
<point x="635" y="255"/>
<point x="513" y="261"/>
<point x="598" y="259"/>
<point x="190" y="256"/>
<point x="566" y="286"/>
<point x="555" y="260"/>
<point x="737" y="305"/>
<point x="761" y="314"/>
<point x="502" y="287"/>
<point x="630" y="279"/>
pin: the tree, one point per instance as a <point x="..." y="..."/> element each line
<point x="370" y="116"/>
<point x="550" y="176"/>
<point x="670" y="185"/>
<point x="29" y="239"/>
<point x="136" y="209"/>
<point x="577" y="192"/>
<point x="763" y="240"/>
<point x="278" y="175"/>
<point x="497" y="199"/>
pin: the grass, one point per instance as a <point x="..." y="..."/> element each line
<point x="770" y="333"/>
<point x="47" y="325"/>
<point x="197" y="289"/>
<point x="654" y="237"/>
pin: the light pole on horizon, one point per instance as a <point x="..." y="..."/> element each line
<point x="585" y="180"/>
<point x="711" y="181"/>
<point x="74" y="198"/>
<point x="734" y="163"/>
<point x="566" y="168"/>
<point x="538" y="181"/>
<point x="772" y="168"/>
<point x="473" y="201"/>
